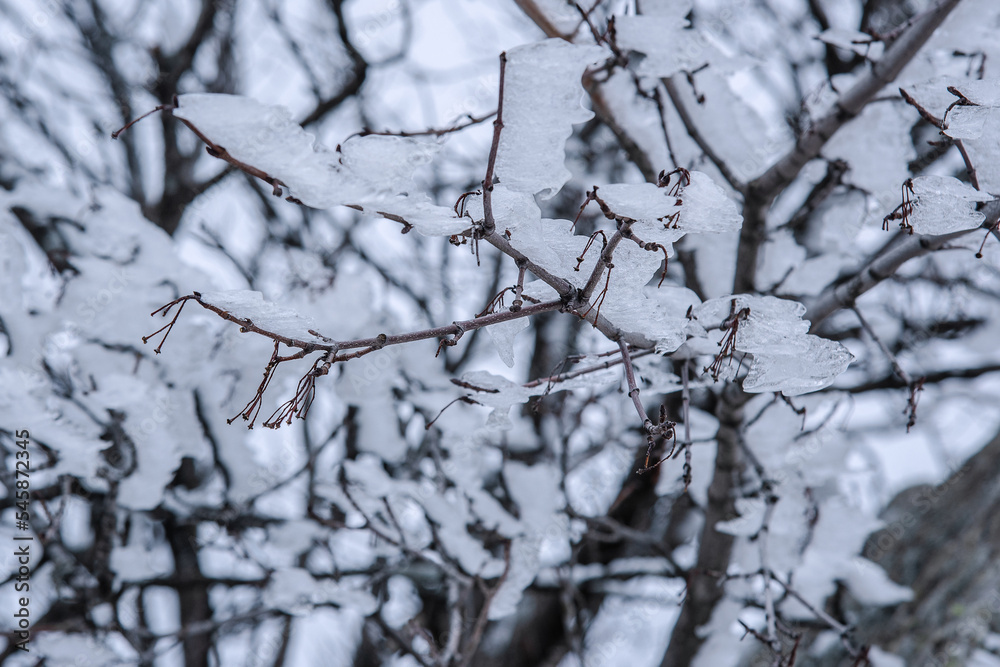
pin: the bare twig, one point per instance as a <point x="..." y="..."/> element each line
<point x="661" y="109"/>
<point x="633" y="389"/>
<point x="358" y="75"/>
<point x="455" y="622"/>
<point x="374" y="343"/>
<point x="433" y="132"/>
<point x="892" y="382"/>
<point x="903" y="375"/>
<point x="476" y="636"/>
<point x="569" y="375"/>
<point x="762" y="538"/>
<point x="160" y="107"/>
<point x="519" y="287"/>
<point x="670" y="84"/>
<point x="842" y="629"/>
<point x="686" y="416"/>
<point x="662" y="428"/>
<point x="334" y="351"/>
<point x="489" y="223"/>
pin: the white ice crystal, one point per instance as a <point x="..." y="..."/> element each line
<point x="541" y="103"/>
<point x="374" y="172"/>
<point x="785" y="357"/>
<point x="944" y="204"/>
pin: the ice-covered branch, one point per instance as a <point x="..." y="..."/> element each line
<point x="852" y="101"/>
<point x="489" y="223"/>
<point x="760" y="192"/>
<point x="883" y="265"/>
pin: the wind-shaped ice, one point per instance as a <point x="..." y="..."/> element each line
<point x="541" y="103"/>
<point x="975" y="120"/>
<point x="374" y="172"/>
<point x="942" y="204"/>
<point x="982" y="104"/>
<point x="785" y="357"/>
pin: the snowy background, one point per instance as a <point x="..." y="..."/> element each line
<point x="410" y="519"/>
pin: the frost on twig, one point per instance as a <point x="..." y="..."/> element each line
<point x="784" y="357"/>
<point x="374" y="173"/>
<point x="541" y="105"/>
<point x="285" y="327"/>
<point x="937" y="205"/>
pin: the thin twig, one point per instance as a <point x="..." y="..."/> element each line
<point x="489" y="223"/>
<point x="433" y="132"/>
<point x="661" y="108"/>
<point x="686" y="416"/>
<point x="519" y="287"/>
<point x="569" y="375"/>
<point x="455" y="622"/>
<point x="159" y="107"/>
<point x="842" y="629"/>
<point x="670" y="85"/>
<point x="902" y="374"/>
<point x="469" y="651"/>
<point x="762" y="537"/>
<point x="633" y="389"/>
<point x="662" y="428"/>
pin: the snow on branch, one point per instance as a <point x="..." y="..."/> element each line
<point x="254" y="315"/>
<point x="784" y="357"/>
<point x="541" y="104"/>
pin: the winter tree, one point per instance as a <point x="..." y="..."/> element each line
<point x="599" y="333"/>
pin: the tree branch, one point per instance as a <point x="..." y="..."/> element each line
<point x="761" y="192"/>
<point x="894" y="382"/>
<point x="853" y="101"/>
<point x="375" y="343"/>
<point x="893" y="255"/>
<point x="670" y="84"/>
<point x="714" y="548"/>
<point x="489" y="224"/>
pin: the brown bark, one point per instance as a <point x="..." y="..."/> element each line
<point x="944" y="543"/>
<point x="194" y="603"/>
<point x="714" y="548"/>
